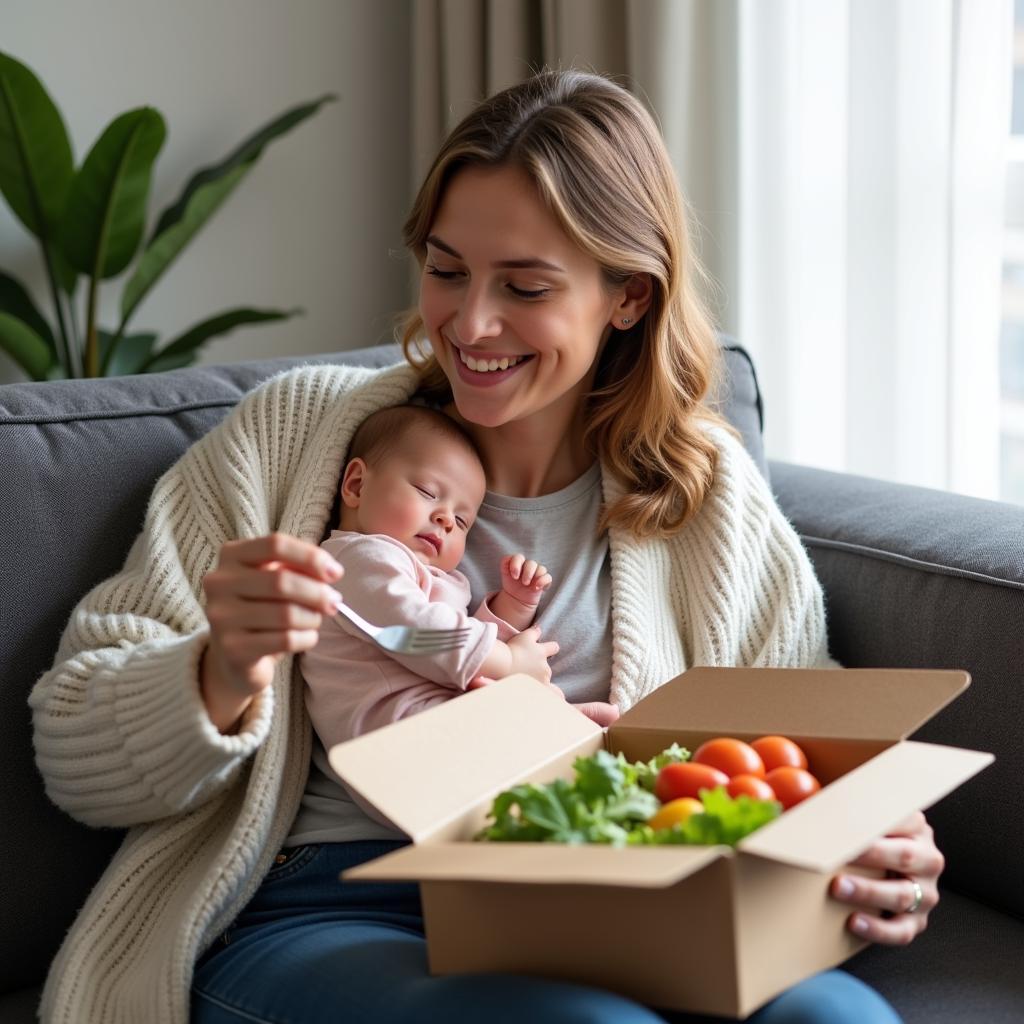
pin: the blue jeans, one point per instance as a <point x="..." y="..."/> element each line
<point x="308" y="949"/>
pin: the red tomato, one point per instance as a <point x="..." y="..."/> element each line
<point x="734" y="757"/>
<point x="686" y="779"/>
<point x="751" y="785"/>
<point x="792" y="785"/>
<point x="776" y="751"/>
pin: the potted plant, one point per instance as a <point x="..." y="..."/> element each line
<point x="90" y="224"/>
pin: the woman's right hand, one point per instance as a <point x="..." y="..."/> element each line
<point x="266" y="598"/>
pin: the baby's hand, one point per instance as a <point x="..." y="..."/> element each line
<point x="530" y="654"/>
<point x="523" y="579"/>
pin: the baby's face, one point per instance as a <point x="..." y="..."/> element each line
<point x="424" y="493"/>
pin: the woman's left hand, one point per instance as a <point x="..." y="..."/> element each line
<point x="886" y="906"/>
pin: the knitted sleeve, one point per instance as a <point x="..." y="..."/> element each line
<point x="760" y="603"/>
<point x="120" y="730"/>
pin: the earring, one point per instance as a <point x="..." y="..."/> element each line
<point x="626" y="321"/>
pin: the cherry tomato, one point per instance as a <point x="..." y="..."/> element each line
<point x="792" y="785"/>
<point x="777" y="751"/>
<point x="751" y="785"/>
<point x="676" y="812"/>
<point x="686" y="779"/>
<point x="734" y="757"/>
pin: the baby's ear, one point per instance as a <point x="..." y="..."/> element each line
<point x="352" y="483"/>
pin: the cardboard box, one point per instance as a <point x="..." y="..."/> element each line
<point x="713" y="929"/>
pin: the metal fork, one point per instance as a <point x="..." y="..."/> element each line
<point x="407" y="639"/>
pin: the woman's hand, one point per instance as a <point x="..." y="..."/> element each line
<point x="266" y="598"/>
<point x="599" y="711"/>
<point x="887" y="911"/>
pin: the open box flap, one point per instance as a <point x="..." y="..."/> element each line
<point x="424" y="771"/>
<point x="839" y="823"/>
<point x="862" y="704"/>
<point x="541" y="864"/>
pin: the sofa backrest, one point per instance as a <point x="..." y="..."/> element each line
<point x="78" y="460"/>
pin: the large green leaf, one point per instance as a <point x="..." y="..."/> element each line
<point x="165" y="247"/>
<point x="183" y="350"/>
<point x="245" y="153"/>
<point x="25" y="347"/>
<point x="36" y="165"/>
<point x="105" y="214"/>
<point x="130" y="356"/>
<point x="67" y="276"/>
<point x="15" y="300"/>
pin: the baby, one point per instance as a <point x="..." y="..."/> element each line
<point x="410" y="493"/>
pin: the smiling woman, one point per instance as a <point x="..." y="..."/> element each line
<point x="551" y="234"/>
<point x="535" y="245"/>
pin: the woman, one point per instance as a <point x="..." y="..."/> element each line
<point x="558" y="300"/>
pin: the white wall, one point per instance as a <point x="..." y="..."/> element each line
<point x="316" y="224"/>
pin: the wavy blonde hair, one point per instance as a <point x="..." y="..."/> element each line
<point x="598" y="162"/>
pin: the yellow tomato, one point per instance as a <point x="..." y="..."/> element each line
<point x="676" y="812"/>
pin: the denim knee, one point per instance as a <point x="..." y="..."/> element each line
<point x="833" y="997"/>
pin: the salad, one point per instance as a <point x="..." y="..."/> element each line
<point x="718" y="795"/>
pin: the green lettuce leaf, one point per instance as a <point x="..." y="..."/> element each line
<point x="725" y="821"/>
<point x="644" y="773"/>
<point x="609" y="802"/>
<point x="599" y="777"/>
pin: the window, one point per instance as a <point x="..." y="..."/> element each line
<point x="1011" y="346"/>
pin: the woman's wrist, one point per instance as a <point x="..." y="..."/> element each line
<point x="224" y="707"/>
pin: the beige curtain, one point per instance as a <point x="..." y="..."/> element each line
<point x="844" y="163"/>
<point x="678" y="56"/>
<point x="463" y="50"/>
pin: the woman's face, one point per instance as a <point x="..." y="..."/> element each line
<point x="515" y="311"/>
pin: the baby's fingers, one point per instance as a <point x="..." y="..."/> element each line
<point x="528" y="571"/>
<point x="542" y="580"/>
<point x="513" y="565"/>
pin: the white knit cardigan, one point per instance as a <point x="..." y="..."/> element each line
<point x="122" y="738"/>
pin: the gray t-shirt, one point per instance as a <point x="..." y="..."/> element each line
<point x="558" y="530"/>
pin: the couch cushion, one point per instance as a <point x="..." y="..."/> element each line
<point x="77" y="462"/>
<point x="740" y="401"/>
<point x="965" y="968"/>
<point x="19" y="1007"/>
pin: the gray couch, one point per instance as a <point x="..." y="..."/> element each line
<point x="913" y="578"/>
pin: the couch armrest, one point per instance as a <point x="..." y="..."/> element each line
<point x="919" y="578"/>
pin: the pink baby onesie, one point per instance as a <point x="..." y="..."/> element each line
<point x="352" y="686"/>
